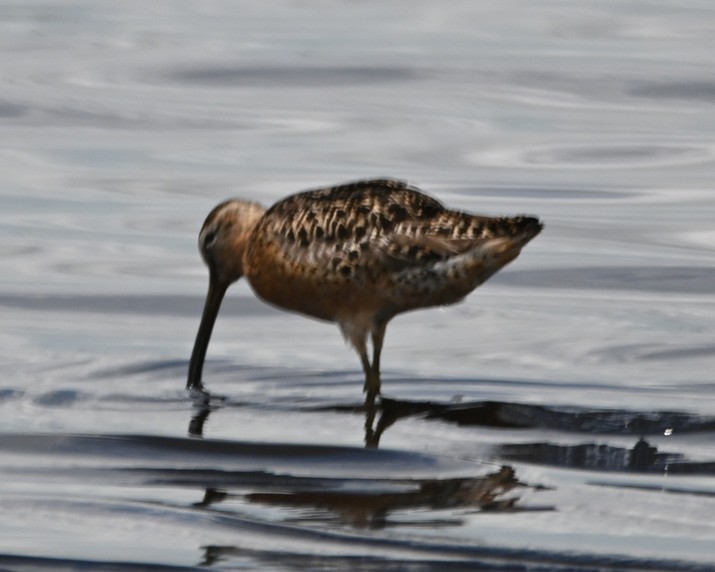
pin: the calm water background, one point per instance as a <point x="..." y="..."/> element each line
<point x="124" y="123"/>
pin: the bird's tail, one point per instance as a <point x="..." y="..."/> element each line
<point x="522" y="228"/>
<point x="512" y="234"/>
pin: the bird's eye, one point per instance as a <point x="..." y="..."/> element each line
<point x="209" y="239"/>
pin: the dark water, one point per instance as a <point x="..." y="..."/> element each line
<point x="562" y="418"/>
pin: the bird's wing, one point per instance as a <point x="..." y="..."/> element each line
<point x="374" y="226"/>
<point x="353" y="223"/>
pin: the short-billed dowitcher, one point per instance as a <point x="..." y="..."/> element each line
<point x="357" y="254"/>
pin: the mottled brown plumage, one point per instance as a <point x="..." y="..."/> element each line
<point x="357" y="254"/>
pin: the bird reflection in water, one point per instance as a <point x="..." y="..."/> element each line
<point x="374" y="504"/>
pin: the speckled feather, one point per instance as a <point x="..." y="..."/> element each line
<point x="375" y="249"/>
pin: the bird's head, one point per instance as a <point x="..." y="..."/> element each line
<point x="224" y="237"/>
<point x="223" y="240"/>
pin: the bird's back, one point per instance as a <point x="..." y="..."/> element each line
<point x="372" y="249"/>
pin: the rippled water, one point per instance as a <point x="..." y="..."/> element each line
<point x="561" y="418"/>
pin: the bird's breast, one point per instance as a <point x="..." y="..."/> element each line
<point x="319" y="291"/>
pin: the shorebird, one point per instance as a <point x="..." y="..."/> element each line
<point x="357" y="254"/>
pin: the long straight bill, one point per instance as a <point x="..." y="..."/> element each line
<point x="214" y="297"/>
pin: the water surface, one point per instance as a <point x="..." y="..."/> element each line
<point x="562" y="418"/>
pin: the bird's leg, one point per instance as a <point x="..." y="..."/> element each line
<point x="372" y="381"/>
<point x="378" y="337"/>
<point x="372" y="371"/>
<point x="367" y="367"/>
<point x="358" y="339"/>
<point x="372" y="386"/>
<point x="370" y="397"/>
